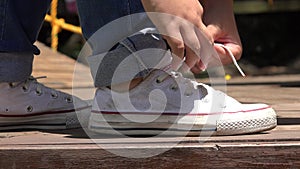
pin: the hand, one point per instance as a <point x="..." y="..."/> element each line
<point x="179" y="21"/>
<point x="221" y="26"/>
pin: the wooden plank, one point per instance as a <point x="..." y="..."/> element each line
<point x="59" y="70"/>
<point x="282" y="134"/>
<point x="64" y="148"/>
<point x="187" y="157"/>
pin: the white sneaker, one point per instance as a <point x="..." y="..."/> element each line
<point x="172" y="104"/>
<point x="32" y="105"/>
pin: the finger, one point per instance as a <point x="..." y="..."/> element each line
<point x="191" y="59"/>
<point x="191" y="39"/>
<point x="192" y="46"/>
<point x="198" y="68"/>
<point x="224" y="55"/>
<point x="176" y="44"/>
<point x="214" y="31"/>
<point x="201" y="65"/>
<point x="177" y="50"/>
<point x="235" y="49"/>
<point x="207" y="49"/>
<point x="233" y="43"/>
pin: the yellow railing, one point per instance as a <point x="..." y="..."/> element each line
<point x="58" y="24"/>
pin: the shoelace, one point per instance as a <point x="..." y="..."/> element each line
<point x="175" y="74"/>
<point x="25" y="85"/>
<point x="189" y="84"/>
<point x="39" y="86"/>
<point x="232" y="57"/>
<point x="179" y="78"/>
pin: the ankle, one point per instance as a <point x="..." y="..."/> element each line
<point x="15" y="66"/>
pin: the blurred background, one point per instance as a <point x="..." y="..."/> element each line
<point x="269" y="30"/>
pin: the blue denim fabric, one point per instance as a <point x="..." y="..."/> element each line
<point x="94" y="14"/>
<point x="20" y="23"/>
<point x="109" y="25"/>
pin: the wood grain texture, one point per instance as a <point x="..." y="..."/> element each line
<point x="187" y="157"/>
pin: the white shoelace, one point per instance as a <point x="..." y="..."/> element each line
<point x="189" y="85"/>
<point x="176" y="74"/>
<point x="25" y="85"/>
<point x="34" y="80"/>
<point x="232" y="57"/>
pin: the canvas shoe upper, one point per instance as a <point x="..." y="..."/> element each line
<point x="166" y="102"/>
<point x="30" y="104"/>
<point x="169" y="102"/>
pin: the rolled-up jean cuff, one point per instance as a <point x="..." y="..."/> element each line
<point x="133" y="57"/>
<point x="15" y="66"/>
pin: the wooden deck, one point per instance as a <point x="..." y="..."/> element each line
<point x="278" y="148"/>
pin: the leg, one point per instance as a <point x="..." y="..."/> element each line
<point x="101" y="22"/>
<point x="164" y="102"/>
<point x="19" y="27"/>
<point x="25" y="103"/>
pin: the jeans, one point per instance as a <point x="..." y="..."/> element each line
<point x="21" y="21"/>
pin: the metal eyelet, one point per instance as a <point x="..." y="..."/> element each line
<point x="54" y="95"/>
<point x="24" y="88"/>
<point x="69" y="99"/>
<point x="223" y="106"/>
<point x="38" y="93"/>
<point x="29" y="108"/>
<point x="158" y="81"/>
<point x="176" y="74"/>
<point x="174" y="88"/>
<point x="188" y="94"/>
<point x="11" y="85"/>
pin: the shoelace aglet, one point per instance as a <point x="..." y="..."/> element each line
<point x="240" y="70"/>
<point x="232" y="57"/>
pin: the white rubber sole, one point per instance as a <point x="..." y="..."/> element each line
<point x="44" y="121"/>
<point x="231" y="123"/>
